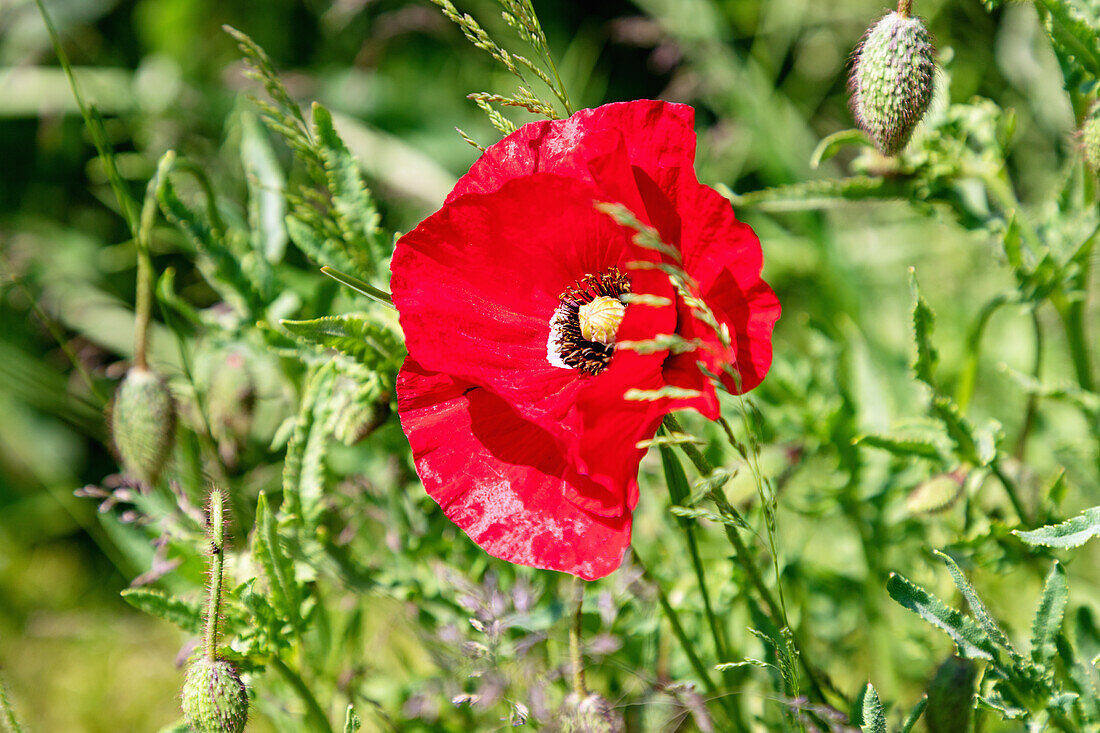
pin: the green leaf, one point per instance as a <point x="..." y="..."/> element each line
<point x="1070" y="533"/>
<point x="872" y="717"/>
<point x="914" y="715"/>
<point x="678" y="488"/>
<point x="278" y="567"/>
<point x="356" y="213"/>
<point x="1048" y="616"/>
<point x="924" y="365"/>
<point x="366" y="341"/>
<point x="971" y="640"/>
<point x="352" y="723"/>
<point x="1076" y="40"/>
<point x="187" y="616"/>
<point x="303" y="468"/>
<point x="220" y="266"/>
<point x="266" y="200"/>
<point x="899" y="446"/>
<point x="977" y="607"/>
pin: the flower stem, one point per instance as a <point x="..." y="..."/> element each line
<point x="318" y="721"/>
<point x="576" y="656"/>
<point x="144" y="307"/>
<point x="674" y="622"/>
<point x="216" y="530"/>
<point x="905" y="7"/>
<point x="1032" y="399"/>
<point x="741" y="552"/>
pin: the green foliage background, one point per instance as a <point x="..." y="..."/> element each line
<point x="767" y="79"/>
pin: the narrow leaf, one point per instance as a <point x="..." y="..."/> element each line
<point x="914" y="715"/>
<point x="267" y="548"/>
<point x="971" y="641"/>
<point x="978" y="607"/>
<point x="1048" y="615"/>
<point x="1070" y="533"/>
<point x="187" y="616"/>
<point x="872" y="714"/>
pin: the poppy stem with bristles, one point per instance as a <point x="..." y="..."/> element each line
<point x="905" y="7"/>
<point x="575" y="654"/>
<point x="216" y="530"/>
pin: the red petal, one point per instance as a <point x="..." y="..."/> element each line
<point x="656" y="135"/>
<point x="503" y="480"/>
<point x="723" y="256"/>
<point x="477" y="283"/>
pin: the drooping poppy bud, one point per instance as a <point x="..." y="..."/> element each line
<point x="892" y="80"/>
<point x="214" y="699"/>
<point x="143" y="423"/>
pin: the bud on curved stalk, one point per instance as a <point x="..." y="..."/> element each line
<point x="143" y="423"/>
<point x="1089" y="138"/>
<point x="892" y="79"/>
<point x="214" y="699"/>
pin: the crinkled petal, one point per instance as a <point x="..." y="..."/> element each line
<point x="656" y="135"/>
<point x="503" y="480"/>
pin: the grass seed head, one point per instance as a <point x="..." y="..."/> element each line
<point x="892" y="80"/>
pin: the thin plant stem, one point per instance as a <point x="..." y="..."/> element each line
<point x="216" y="530"/>
<point x="144" y="300"/>
<point x="1012" y="491"/>
<point x="905" y="7"/>
<point x="95" y="127"/>
<point x="58" y="335"/>
<point x="1032" y="399"/>
<point x="674" y="622"/>
<point x="741" y="552"/>
<point x="576" y="655"/>
<point x="318" y="721"/>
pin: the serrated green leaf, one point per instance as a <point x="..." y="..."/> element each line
<point x="978" y="607"/>
<point x="187" y="616"/>
<point x="872" y="714"/>
<point x="303" y="468"/>
<point x="220" y="266"/>
<point x="900" y="446"/>
<point x="365" y="341"/>
<point x="356" y="213"/>
<point x="315" y="243"/>
<point x="924" y="365"/>
<point x="971" y="640"/>
<point x="278" y="568"/>
<point x="1048" y="615"/>
<point x="1070" y="533"/>
<point x="352" y="723"/>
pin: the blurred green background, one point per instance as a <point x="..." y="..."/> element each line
<point x="767" y="78"/>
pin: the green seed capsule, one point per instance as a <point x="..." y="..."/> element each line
<point x="892" y="78"/>
<point x="214" y="698"/>
<point x="143" y="423"/>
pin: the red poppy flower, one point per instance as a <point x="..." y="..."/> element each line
<point x="514" y="298"/>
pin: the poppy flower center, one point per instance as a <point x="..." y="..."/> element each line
<point x="584" y="325"/>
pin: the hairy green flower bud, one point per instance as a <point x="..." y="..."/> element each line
<point x="143" y="423"/>
<point x="214" y="698"/>
<point x="935" y="494"/>
<point x="1089" y="138"/>
<point x="891" y="82"/>
<point x="591" y="714"/>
